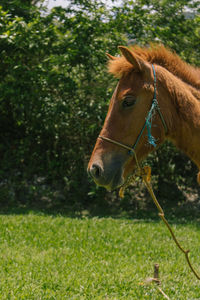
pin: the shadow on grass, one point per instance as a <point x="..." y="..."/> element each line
<point x="140" y="207"/>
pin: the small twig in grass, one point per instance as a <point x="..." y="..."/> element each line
<point x="156" y="273"/>
<point x="156" y="276"/>
<point x="157" y="281"/>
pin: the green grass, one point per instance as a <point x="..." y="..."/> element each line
<point x="55" y="257"/>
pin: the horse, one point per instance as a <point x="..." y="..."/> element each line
<point x="157" y="98"/>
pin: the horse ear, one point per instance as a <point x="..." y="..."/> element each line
<point x="133" y="59"/>
<point x="111" y="57"/>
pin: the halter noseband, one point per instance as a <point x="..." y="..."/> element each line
<point x="148" y="124"/>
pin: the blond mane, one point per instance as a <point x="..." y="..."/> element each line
<point x="158" y="54"/>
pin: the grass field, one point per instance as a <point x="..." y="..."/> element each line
<point x="56" y="257"/>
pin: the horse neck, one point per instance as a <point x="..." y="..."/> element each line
<point x="181" y="102"/>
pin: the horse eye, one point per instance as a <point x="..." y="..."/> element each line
<point x="128" y="102"/>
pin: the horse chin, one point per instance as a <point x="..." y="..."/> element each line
<point x="124" y="182"/>
<point x="115" y="184"/>
<point x="121" y="181"/>
<point x="111" y="188"/>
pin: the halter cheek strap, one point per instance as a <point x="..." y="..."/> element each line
<point x="147" y="124"/>
<point x="157" y="106"/>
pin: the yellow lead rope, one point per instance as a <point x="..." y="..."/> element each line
<point x="145" y="173"/>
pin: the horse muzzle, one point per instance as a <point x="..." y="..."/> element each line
<point x="107" y="171"/>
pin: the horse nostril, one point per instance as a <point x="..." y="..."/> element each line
<point x="95" y="171"/>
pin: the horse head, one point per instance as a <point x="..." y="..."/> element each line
<point x="111" y="162"/>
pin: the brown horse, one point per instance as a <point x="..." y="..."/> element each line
<point x="132" y="122"/>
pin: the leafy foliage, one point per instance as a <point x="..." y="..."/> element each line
<point x="54" y="88"/>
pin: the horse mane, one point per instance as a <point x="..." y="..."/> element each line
<point x="160" y="55"/>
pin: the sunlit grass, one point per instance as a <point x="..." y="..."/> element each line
<point x="45" y="257"/>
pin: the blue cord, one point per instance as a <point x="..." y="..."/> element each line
<point x="148" y="123"/>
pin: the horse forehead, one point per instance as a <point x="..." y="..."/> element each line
<point x="128" y="83"/>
